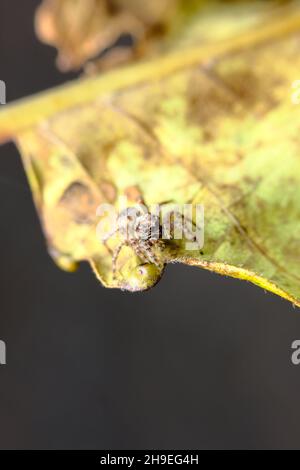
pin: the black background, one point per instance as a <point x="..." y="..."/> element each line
<point x="199" y="362"/>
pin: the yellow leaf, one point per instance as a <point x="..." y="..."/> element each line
<point x="82" y="29"/>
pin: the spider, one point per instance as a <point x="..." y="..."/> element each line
<point x="143" y="232"/>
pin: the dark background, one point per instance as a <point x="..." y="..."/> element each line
<point x="198" y="362"/>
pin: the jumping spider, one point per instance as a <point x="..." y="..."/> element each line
<point x="143" y="231"/>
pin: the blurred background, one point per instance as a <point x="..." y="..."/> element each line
<point x="199" y="362"/>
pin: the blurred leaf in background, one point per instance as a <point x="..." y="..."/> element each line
<point x="207" y="116"/>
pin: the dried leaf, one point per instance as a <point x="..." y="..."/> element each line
<point x="213" y="123"/>
<point x="85" y="32"/>
<point x="82" y="29"/>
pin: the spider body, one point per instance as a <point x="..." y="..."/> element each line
<point x="141" y="231"/>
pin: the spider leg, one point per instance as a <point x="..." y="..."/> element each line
<point x="159" y="243"/>
<point x="137" y="248"/>
<point x="165" y="203"/>
<point x="146" y="253"/>
<point x="109" y="235"/>
<point x="115" y="257"/>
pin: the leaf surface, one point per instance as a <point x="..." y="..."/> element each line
<point x="214" y="123"/>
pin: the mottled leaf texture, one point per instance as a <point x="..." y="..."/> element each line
<point x="88" y="29"/>
<point x="82" y="29"/>
<point x="212" y="120"/>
